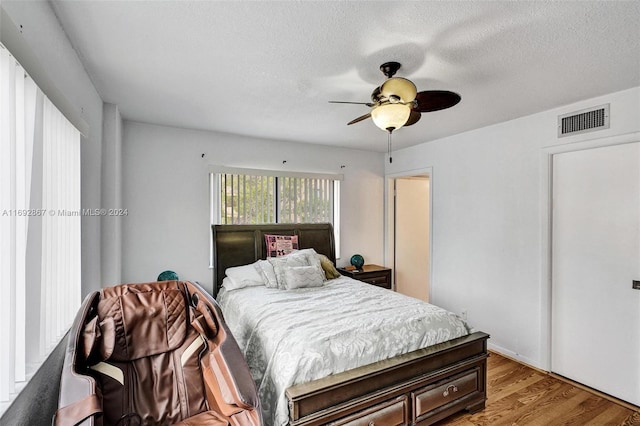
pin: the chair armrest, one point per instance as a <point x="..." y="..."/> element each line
<point x="229" y="357"/>
<point x="78" y="400"/>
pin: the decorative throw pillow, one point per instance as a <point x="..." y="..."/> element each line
<point x="328" y="267"/>
<point x="266" y="271"/>
<point x="280" y="245"/>
<point x="302" y="277"/>
<point x="306" y="257"/>
<point x="297" y="258"/>
<point x="314" y="260"/>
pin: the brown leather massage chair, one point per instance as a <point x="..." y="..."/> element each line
<point x="154" y="354"/>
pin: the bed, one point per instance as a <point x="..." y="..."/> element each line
<point x="413" y="376"/>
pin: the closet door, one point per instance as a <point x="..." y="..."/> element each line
<point x="595" y="261"/>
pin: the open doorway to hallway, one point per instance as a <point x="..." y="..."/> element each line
<point x="411" y="235"/>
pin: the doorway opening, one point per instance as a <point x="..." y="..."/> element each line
<point x="409" y="235"/>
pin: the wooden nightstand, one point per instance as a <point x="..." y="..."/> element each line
<point x="371" y="274"/>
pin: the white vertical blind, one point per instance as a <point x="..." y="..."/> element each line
<point x="60" y="226"/>
<point x="305" y="200"/>
<point x="246" y="199"/>
<point x="57" y="248"/>
<point x="251" y="196"/>
<point x="16" y="97"/>
<point x="7" y="123"/>
<point x="254" y="199"/>
<point x="21" y="223"/>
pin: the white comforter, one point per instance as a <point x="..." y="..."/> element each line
<point x="295" y="336"/>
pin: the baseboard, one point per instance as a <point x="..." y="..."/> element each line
<point x="516" y="357"/>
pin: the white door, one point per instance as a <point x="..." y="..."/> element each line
<point x="595" y="259"/>
<point x="411" y="266"/>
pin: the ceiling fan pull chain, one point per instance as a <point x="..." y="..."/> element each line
<point x="389" y="147"/>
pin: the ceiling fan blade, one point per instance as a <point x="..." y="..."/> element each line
<point x="359" y="119"/>
<point x="414" y="117"/>
<point x="369" y="104"/>
<point x="435" y="100"/>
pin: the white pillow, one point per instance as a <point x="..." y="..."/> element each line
<point x="229" y="284"/>
<point x="306" y="257"/>
<point x="302" y="277"/>
<point x="244" y="276"/>
<point x="281" y="263"/>
<point x="266" y="271"/>
<point x="313" y="259"/>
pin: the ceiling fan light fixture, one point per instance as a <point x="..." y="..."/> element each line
<point x="400" y="88"/>
<point x="397" y="103"/>
<point x="390" y="117"/>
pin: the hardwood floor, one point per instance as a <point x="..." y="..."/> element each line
<point x="520" y="395"/>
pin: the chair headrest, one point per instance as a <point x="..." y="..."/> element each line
<point x="148" y="319"/>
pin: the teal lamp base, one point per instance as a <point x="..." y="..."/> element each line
<point x="357" y="261"/>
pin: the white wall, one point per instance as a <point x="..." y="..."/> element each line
<point x="111" y="231"/>
<point x="42" y="40"/>
<point x="489" y="220"/>
<point x="166" y="192"/>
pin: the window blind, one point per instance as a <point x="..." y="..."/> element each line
<point x="39" y="242"/>
<point x="254" y="196"/>
<point x="253" y="199"/>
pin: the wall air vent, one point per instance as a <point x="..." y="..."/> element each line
<point x="586" y="120"/>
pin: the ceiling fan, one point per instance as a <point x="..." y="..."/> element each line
<point x="397" y="103"/>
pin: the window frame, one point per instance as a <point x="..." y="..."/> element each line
<point x="215" y="190"/>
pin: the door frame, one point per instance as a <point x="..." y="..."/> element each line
<point x="546" y="214"/>
<point x="389" y="219"/>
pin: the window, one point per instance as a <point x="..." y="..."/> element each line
<point x="273" y="199"/>
<point x="39" y="226"/>
<point x="246" y="199"/>
<point x="242" y="196"/>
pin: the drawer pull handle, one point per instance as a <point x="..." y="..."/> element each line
<point x="450" y="389"/>
<point x="371" y="423"/>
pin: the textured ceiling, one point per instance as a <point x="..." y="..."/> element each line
<point x="267" y="68"/>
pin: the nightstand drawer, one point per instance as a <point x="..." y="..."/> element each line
<point x="379" y="280"/>
<point x="370" y="274"/>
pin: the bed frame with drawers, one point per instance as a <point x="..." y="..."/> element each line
<point x="420" y="387"/>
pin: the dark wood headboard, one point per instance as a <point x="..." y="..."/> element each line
<point x="235" y="245"/>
